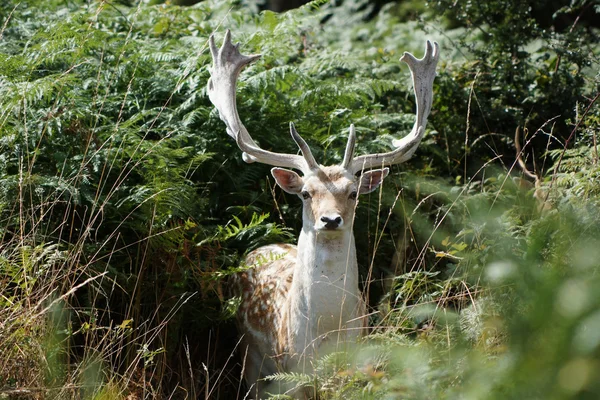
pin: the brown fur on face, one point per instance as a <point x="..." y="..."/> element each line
<point x="330" y="190"/>
<point x="329" y="194"/>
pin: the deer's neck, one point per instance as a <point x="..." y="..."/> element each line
<point x="325" y="256"/>
<point x="324" y="295"/>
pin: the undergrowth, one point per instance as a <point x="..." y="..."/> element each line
<point x="124" y="204"/>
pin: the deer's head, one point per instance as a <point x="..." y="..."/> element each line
<point x="329" y="194"/>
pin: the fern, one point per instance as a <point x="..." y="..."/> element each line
<point x="123" y="202"/>
<point x="291" y="377"/>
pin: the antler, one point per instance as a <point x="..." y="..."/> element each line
<point x="227" y="65"/>
<point x="520" y="161"/>
<point x="423" y="74"/>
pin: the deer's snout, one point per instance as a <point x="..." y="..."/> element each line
<point x="331" y="221"/>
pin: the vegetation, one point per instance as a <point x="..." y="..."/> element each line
<point x="124" y="205"/>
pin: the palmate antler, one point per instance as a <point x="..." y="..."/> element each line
<point x="227" y="65"/>
<point x="423" y="74"/>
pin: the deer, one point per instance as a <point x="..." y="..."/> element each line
<point x="540" y="193"/>
<point x="297" y="300"/>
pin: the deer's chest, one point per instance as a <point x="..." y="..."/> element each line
<point x="332" y="302"/>
<point x="330" y="289"/>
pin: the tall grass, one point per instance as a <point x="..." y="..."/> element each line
<point x="123" y="203"/>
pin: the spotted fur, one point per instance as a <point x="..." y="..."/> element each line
<point x="264" y="290"/>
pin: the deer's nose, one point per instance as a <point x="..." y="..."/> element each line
<point x="331" y="221"/>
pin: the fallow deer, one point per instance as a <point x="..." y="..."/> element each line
<point x="297" y="298"/>
<point x="540" y="193"/>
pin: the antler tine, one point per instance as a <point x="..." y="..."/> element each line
<point x="520" y="161"/>
<point x="306" y="153"/>
<point x="349" y="147"/>
<point x="214" y="52"/>
<point x="228" y="62"/>
<point x="423" y="73"/>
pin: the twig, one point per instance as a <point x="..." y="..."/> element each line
<point x="559" y="56"/>
<point x="471" y="90"/>
<point x="7" y="20"/>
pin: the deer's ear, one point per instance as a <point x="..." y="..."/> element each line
<point x="371" y="180"/>
<point x="288" y="180"/>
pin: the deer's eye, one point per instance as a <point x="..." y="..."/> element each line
<point x="305" y="195"/>
<point x="353" y="195"/>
